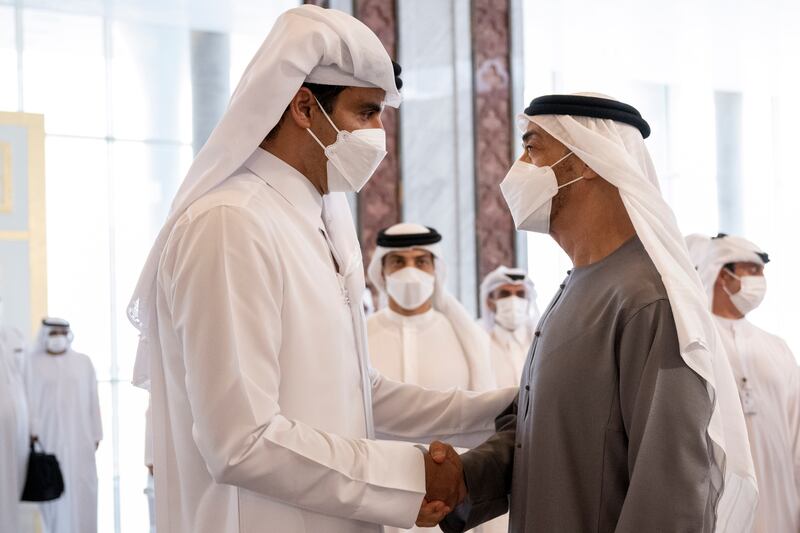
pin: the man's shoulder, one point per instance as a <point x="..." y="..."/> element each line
<point x="244" y="191"/>
<point x="775" y="343"/>
<point x="637" y="283"/>
<point x="81" y="357"/>
<point x="243" y="202"/>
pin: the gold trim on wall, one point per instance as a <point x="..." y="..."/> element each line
<point x="36" y="233"/>
<point x="15" y="235"/>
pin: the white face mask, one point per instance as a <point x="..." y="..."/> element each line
<point x="511" y="313"/>
<point x="750" y="295"/>
<point x="410" y="287"/>
<point x="57" y="344"/>
<point x="353" y="157"/>
<point x="529" y="191"/>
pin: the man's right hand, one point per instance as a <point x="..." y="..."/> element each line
<point x="444" y="475"/>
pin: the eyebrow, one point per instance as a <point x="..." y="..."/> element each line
<point x="371" y="106"/>
<point x="527" y="135"/>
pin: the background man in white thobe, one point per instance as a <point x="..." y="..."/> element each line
<point x="422" y="335"/>
<point x="264" y="408"/>
<point x="732" y="270"/>
<point x="14" y="434"/>
<point x="65" y="418"/>
<point x="509" y="313"/>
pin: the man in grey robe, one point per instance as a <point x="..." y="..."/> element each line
<point x="610" y="431"/>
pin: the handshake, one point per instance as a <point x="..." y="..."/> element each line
<point x="444" y="484"/>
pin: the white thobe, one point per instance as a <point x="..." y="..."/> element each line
<point x="259" y="415"/>
<point x="14" y="436"/>
<point x="769" y="386"/>
<point x="423" y="350"/>
<point x="65" y="415"/>
<point x="509" y="351"/>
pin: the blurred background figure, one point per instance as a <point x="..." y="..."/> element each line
<point x="65" y="419"/>
<point x="422" y="334"/>
<point x="732" y="270"/>
<point x="13" y="425"/>
<point x="509" y="313"/>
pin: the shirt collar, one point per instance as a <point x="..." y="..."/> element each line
<point x="413" y="320"/>
<point x="293" y="186"/>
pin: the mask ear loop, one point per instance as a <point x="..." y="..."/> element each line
<point x="725" y="287"/>
<point x="329" y="121"/>
<point x="579" y="178"/>
<point x="560" y="160"/>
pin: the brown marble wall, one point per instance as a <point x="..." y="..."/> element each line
<point x="493" y="144"/>
<point x="379" y="202"/>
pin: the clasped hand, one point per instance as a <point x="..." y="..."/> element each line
<point x="444" y="484"/>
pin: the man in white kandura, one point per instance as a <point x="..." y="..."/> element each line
<point x="65" y="418"/>
<point x="732" y="270"/>
<point x="14" y="435"/>
<point x="509" y="313"/>
<point x="264" y="407"/>
<point x="422" y="334"/>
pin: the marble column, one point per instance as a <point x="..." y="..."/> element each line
<point x="491" y="48"/>
<point x="379" y="201"/>
<point x="436" y="138"/>
<point x="210" y="60"/>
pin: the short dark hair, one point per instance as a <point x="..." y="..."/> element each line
<point x="326" y="94"/>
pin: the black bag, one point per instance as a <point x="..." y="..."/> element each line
<point x="43" y="481"/>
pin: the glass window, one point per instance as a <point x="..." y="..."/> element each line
<point x="8" y="60"/>
<point x="692" y="55"/>
<point x="64" y="74"/>
<point x="151" y="93"/>
<point x="105" y="458"/>
<point x="132" y="473"/>
<point x="78" y="257"/>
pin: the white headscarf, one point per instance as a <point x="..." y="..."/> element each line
<point x="709" y="255"/>
<point x="306" y="44"/>
<point x="48" y="325"/>
<point x="476" y="343"/>
<point x="502" y="276"/>
<point x="616" y="151"/>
